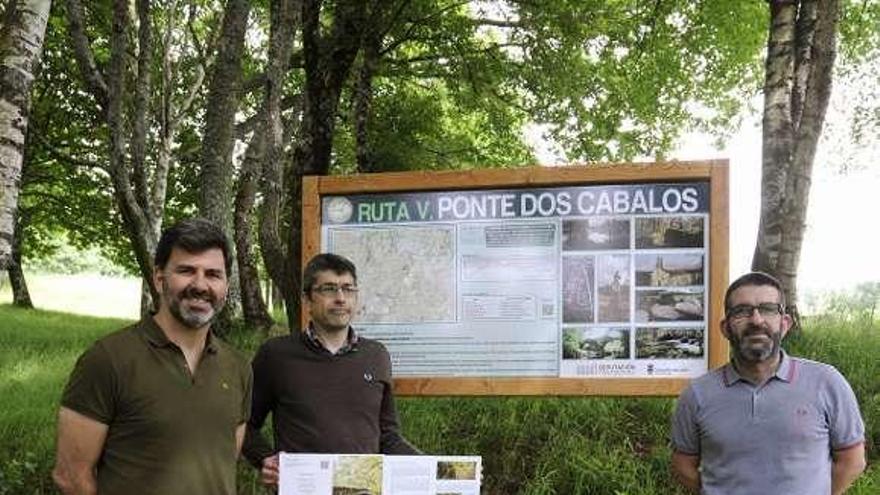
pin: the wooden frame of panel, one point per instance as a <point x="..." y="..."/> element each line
<point x="714" y="171"/>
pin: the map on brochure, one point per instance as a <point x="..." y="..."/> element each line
<point x="355" y="474"/>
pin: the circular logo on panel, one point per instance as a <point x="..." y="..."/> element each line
<point x="339" y="210"/>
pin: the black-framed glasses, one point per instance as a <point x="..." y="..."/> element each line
<point x="743" y="311"/>
<point x="330" y="290"/>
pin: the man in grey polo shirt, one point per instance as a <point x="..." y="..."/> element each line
<point x="766" y="422"/>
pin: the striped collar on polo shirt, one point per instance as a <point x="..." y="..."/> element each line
<point x="784" y="372"/>
<point x="314" y="342"/>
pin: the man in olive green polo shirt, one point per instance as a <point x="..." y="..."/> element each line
<point x="160" y="407"/>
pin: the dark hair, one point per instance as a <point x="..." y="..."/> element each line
<point x="193" y="235"/>
<point x="754" y="279"/>
<point x="326" y="262"/>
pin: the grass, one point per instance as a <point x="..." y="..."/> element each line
<point x="37" y="351"/>
<point x="82" y="294"/>
<point x="531" y="446"/>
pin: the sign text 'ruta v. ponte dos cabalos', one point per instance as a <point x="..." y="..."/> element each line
<point x="565" y="276"/>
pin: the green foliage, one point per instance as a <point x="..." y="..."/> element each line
<point x="455" y="84"/>
<point x="859" y="28"/>
<point x="623" y="75"/>
<point x="64" y="258"/>
<point x="851" y="344"/>
<point x="423" y="128"/>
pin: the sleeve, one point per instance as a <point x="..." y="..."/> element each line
<point x="845" y="424"/>
<point x="256" y="447"/>
<point x="92" y="387"/>
<point x="685" y="431"/>
<point x="391" y="441"/>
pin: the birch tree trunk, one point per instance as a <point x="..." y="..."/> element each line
<point x="801" y="50"/>
<point x="21" y="42"/>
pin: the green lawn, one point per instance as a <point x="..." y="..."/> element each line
<point x="529" y="446"/>
<point x="82" y="294"/>
<point x="37" y="351"/>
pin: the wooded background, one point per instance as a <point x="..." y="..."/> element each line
<point x="118" y="117"/>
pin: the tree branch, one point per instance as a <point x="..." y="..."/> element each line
<point x="141" y="104"/>
<point x="83" y="53"/>
<point x="497" y="23"/>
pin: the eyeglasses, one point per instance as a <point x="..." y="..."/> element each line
<point x="743" y="311"/>
<point x="330" y="290"/>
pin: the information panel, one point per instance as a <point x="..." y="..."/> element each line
<point x="582" y="279"/>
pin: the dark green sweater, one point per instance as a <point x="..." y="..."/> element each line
<point x="322" y="402"/>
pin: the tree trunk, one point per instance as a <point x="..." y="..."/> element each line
<point x="134" y="217"/>
<point x="801" y="50"/>
<point x="254" y="309"/>
<point x="215" y="177"/>
<point x="21" y="297"/>
<point x="21" y="42"/>
<point x="363" y="99"/>
<point x="276" y="254"/>
<point x="111" y="95"/>
<point x="142" y="90"/>
<point x="327" y="61"/>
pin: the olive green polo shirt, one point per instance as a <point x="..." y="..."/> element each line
<point x="170" y="431"/>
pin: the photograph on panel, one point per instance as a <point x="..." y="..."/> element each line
<point x="670" y="232"/>
<point x="669" y="269"/>
<point x="578" y="299"/>
<point x="614" y="283"/>
<point x="595" y="343"/>
<point x="595" y="234"/>
<point x="670" y="343"/>
<point x="669" y="305"/>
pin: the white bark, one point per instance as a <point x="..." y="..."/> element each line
<point x="802" y="47"/>
<point x="21" y="42"/>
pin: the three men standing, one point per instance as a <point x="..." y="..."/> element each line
<point x="766" y="422"/>
<point x="160" y="407"/>
<point x="328" y="389"/>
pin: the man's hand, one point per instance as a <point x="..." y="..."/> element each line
<point x="80" y="442"/>
<point x="686" y="469"/>
<point x="269" y="472"/>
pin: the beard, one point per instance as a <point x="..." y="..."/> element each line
<point x="184" y="314"/>
<point x="747" y="350"/>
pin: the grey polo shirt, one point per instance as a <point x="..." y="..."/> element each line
<point x="775" y="438"/>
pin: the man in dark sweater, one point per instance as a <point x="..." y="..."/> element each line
<point x="328" y="389"/>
